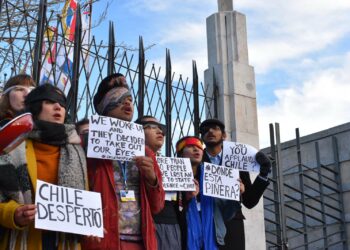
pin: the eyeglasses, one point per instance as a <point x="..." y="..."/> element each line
<point x="154" y="126"/>
<point x="25" y="89"/>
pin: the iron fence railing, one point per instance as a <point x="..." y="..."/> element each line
<point x="26" y="27"/>
<point x="303" y="206"/>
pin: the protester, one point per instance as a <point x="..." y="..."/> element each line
<point x="129" y="225"/>
<point x="213" y="134"/>
<point x="52" y="153"/>
<point x="199" y="228"/>
<point x="167" y="224"/>
<point x="13" y="95"/>
<point x="82" y="126"/>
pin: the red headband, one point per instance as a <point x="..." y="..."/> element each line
<point x="189" y="141"/>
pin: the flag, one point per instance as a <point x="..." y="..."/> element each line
<point x="58" y="68"/>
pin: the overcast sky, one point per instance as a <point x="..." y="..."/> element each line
<point x="300" y="51"/>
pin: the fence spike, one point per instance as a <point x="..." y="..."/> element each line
<point x="111" y="49"/>
<point x="73" y="92"/>
<point x="141" y="78"/>
<point x="39" y="40"/>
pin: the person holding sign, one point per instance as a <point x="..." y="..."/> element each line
<point x="131" y="190"/>
<point x="213" y="134"/>
<point x="51" y="153"/>
<point x="199" y="228"/>
<point x="166" y="222"/>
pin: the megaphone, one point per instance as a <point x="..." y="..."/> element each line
<point x="14" y="132"/>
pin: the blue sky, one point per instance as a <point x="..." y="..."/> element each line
<point x="300" y="51"/>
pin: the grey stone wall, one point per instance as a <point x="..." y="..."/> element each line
<point x="327" y="184"/>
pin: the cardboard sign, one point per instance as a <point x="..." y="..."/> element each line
<point x="68" y="210"/>
<point x="115" y="139"/>
<point x="240" y="156"/>
<point x="221" y="182"/>
<point x="177" y="174"/>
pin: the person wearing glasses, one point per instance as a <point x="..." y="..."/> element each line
<point x="12" y="98"/>
<point x="167" y="224"/>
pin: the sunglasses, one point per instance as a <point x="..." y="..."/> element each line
<point x="206" y="129"/>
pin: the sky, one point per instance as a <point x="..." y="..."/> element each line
<point x="300" y="51"/>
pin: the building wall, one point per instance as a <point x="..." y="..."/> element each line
<point x="326" y="182"/>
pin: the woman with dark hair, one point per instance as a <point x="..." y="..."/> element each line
<point x="198" y="228"/>
<point x="13" y="96"/>
<point x="52" y="153"/>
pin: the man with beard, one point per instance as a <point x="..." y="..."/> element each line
<point x="228" y="215"/>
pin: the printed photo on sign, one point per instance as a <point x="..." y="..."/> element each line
<point x="177" y="174"/>
<point x="240" y="156"/>
<point x="115" y="139"/>
<point x="221" y="182"/>
<point x="68" y="210"/>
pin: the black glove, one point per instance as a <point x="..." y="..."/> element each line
<point x="265" y="163"/>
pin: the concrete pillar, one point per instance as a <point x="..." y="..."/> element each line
<point x="228" y="60"/>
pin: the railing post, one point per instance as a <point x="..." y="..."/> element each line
<point x="280" y="183"/>
<point x="168" y="104"/>
<point x="111" y="47"/>
<point x="141" y="91"/>
<point x="302" y="188"/>
<point x="37" y="63"/>
<point x="195" y="99"/>
<point x="73" y="92"/>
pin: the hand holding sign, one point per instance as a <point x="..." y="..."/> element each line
<point x="24" y="215"/>
<point x="191" y="194"/>
<point x="265" y="163"/>
<point x="145" y="164"/>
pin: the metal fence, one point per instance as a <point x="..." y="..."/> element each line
<point x="303" y="205"/>
<point x="26" y="26"/>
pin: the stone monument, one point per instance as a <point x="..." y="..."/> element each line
<point x="228" y="63"/>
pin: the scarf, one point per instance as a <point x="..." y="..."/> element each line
<point x="71" y="170"/>
<point x="200" y="227"/>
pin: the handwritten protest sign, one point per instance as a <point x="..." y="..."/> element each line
<point x="68" y="210"/>
<point x="240" y="156"/>
<point x="221" y="182"/>
<point x="115" y="139"/>
<point x="177" y="174"/>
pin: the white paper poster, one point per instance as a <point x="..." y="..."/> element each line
<point x="177" y="174"/>
<point x="68" y="210"/>
<point x="115" y="139"/>
<point x="240" y="156"/>
<point x="221" y="182"/>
